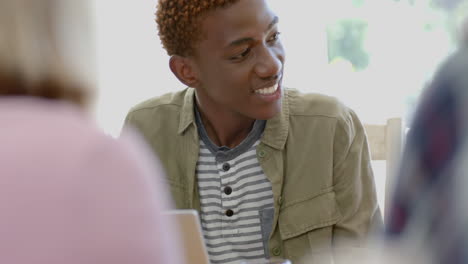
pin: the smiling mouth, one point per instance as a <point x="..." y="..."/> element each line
<point x="267" y="90"/>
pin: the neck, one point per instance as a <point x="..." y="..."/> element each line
<point x="225" y="128"/>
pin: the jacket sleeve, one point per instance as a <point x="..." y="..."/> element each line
<point x="354" y="186"/>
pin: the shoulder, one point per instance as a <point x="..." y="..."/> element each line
<point x="153" y="113"/>
<point x="54" y="135"/>
<point x="164" y="102"/>
<point x="320" y="107"/>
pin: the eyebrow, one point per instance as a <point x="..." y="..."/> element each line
<point x="248" y="39"/>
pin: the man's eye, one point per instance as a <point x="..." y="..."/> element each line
<point x="242" y="55"/>
<point x="275" y="37"/>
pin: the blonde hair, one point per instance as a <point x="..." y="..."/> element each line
<point x="46" y="49"/>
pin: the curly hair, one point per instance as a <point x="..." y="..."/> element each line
<point x="179" y="23"/>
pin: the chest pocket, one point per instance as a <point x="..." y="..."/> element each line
<point x="306" y="228"/>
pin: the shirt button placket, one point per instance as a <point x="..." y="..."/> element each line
<point x="226" y="167"/>
<point x="227" y="190"/>
<point x="229" y="213"/>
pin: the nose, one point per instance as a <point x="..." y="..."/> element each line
<point x="269" y="64"/>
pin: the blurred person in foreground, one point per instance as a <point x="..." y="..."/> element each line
<point x="68" y="193"/>
<point x="429" y="214"/>
<point x="273" y="172"/>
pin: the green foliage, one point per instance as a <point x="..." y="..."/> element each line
<point x="346" y="40"/>
<point x="358" y="3"/>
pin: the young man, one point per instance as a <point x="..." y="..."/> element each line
<point x="273" y="173"/>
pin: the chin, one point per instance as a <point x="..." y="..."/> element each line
<point x="269" y="112"/>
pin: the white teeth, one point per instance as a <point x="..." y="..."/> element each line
<point x="269" y="90"/>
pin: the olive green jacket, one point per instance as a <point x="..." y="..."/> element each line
<point x="315" y="154"/>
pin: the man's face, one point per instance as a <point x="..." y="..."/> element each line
<point x="240" y="61"/>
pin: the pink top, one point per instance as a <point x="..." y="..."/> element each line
<point x="70" y="194"/>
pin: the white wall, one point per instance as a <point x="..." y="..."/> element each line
<point x="131" y="63"/>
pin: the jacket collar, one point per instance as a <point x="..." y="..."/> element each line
<point x="276" y="130"/>
<point x="187" y="116"/>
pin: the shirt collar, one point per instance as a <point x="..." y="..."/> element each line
<point x="276" y="130"/>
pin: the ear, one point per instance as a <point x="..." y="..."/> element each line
<point x="184" y="69"/>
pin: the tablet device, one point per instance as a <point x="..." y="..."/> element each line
<point x="188" y="223"/>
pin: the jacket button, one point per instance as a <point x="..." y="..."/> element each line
<point x="276" y="251"/>
<point x="229" y="213"/>
<point x="261" y="153"/>
<point x="280" y="200"/>
<point x="226" y="166"/>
